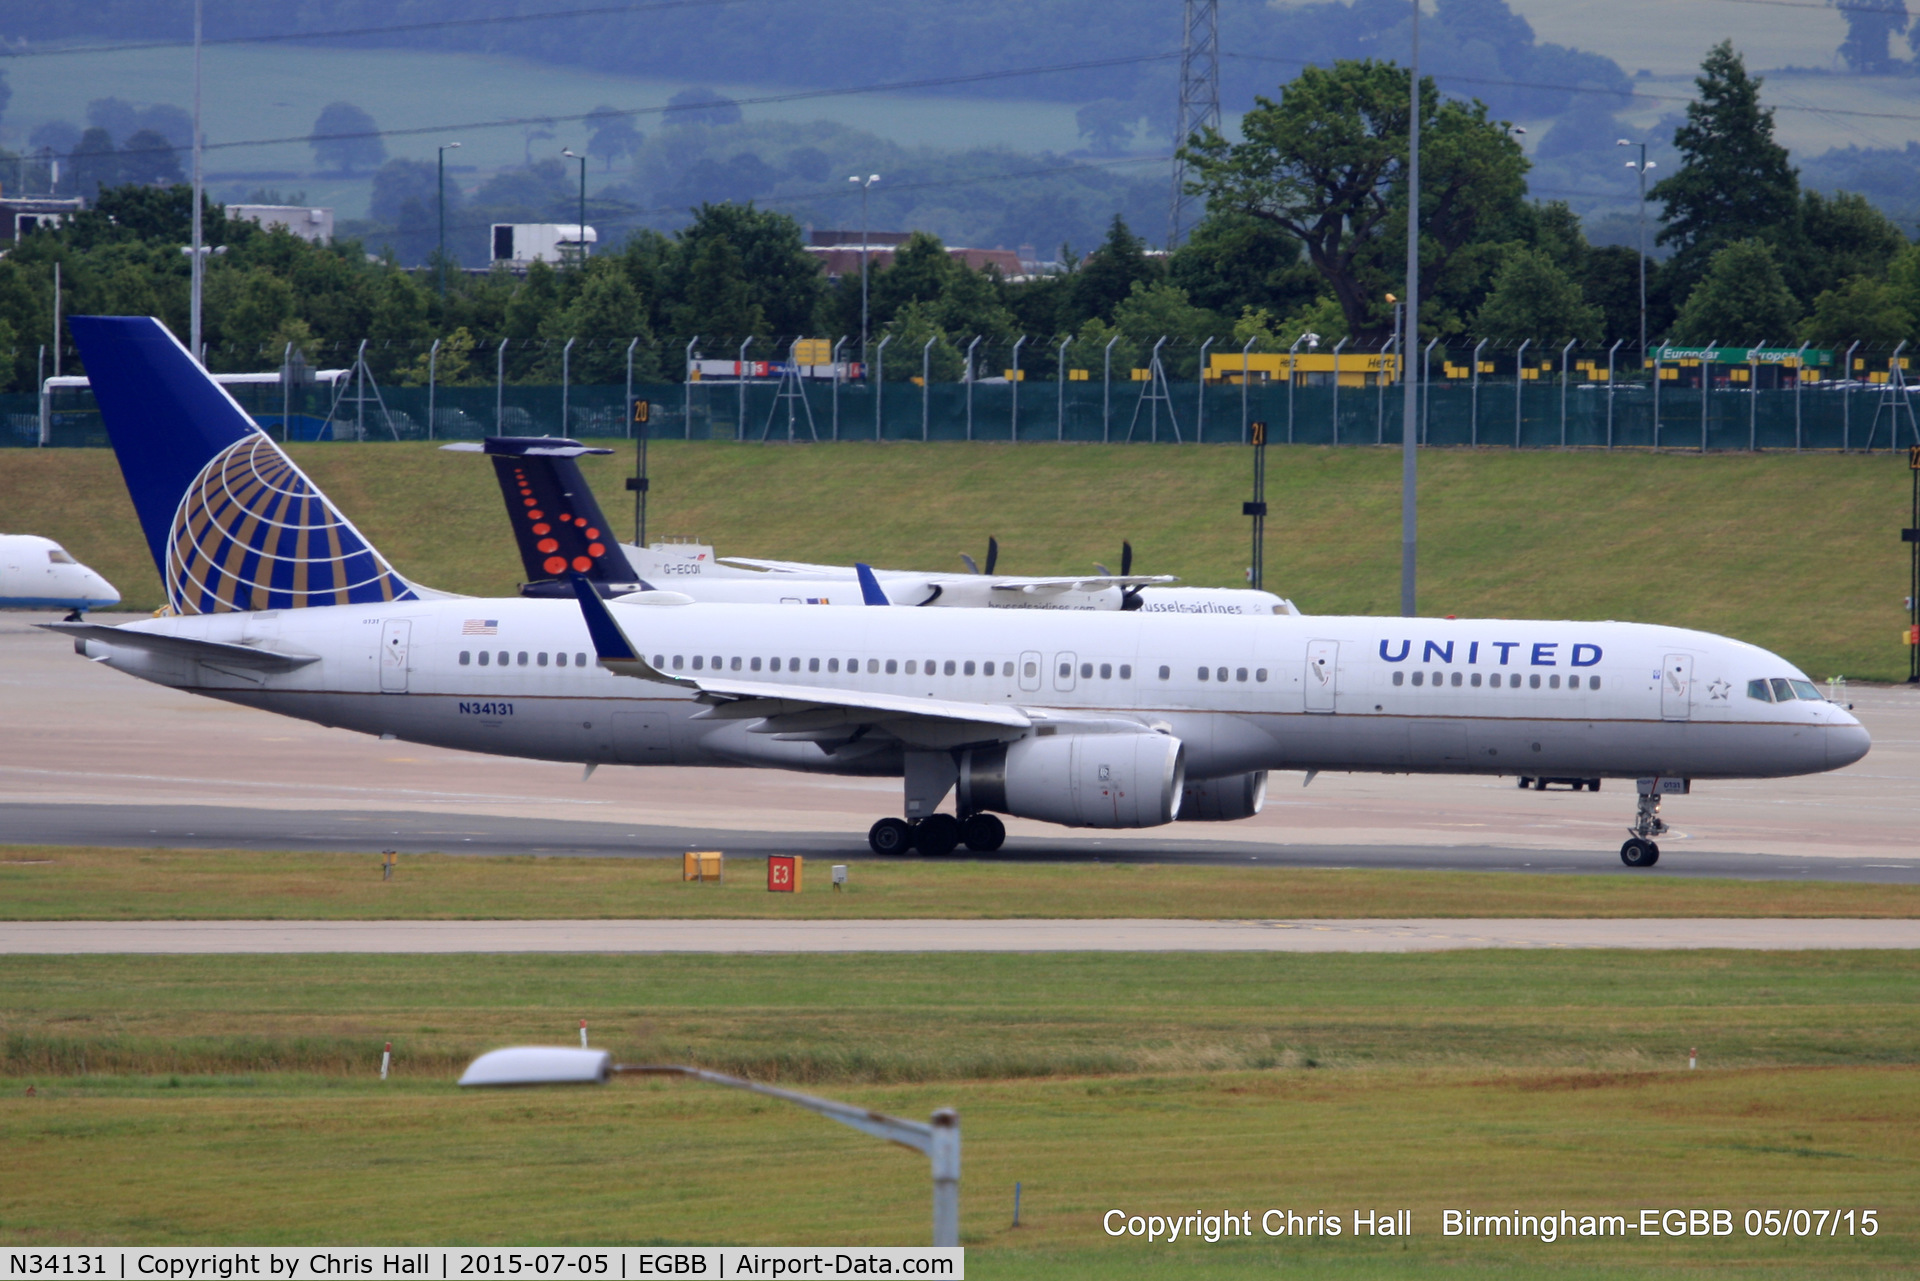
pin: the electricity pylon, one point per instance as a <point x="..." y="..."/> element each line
<point x="1199" y="101"/>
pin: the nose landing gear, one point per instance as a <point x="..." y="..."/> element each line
<point x="1640" y="851"/>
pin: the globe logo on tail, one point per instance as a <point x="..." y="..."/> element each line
<point x="252" y="532"/>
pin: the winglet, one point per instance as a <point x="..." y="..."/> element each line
<point x="610" y="644"/>
<point x="869" y="585"/>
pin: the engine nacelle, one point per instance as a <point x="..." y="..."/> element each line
<point x="1080" y="780"/>
<point x="1221" y="800"/>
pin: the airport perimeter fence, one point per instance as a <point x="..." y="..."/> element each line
<point x="1469" y="396"/>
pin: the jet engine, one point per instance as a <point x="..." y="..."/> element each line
<point x="1079" y="780"/>
<point x="1220" y="800"/>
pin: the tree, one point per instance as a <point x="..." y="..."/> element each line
<point x="778" y="280"/>
<point x="605" y="314"/>
<point x="1610" y="280"/>
<point x="1734" y="182"/>
<point x="1743" y="297"/>
<point x="96" y="164"/>
<point x="147" y="159"/>
<point x="1160" y="310"/>
<point x="346" y="139"/>
<point x="702" y="106"/>
<point x="1326" y="164"/>
<point x="120" y="118"/>
<point x="1870" y="24"/>
<point x="1108" y="276"/>
<point x="610" y="134"/>
<point x="912" y="325"/>
<point x="1533" y="298"/>
<point x="1863" y="309"/>
<point x="716" y="300"/>
<point x="1107" y="125"/>
<point x="1231" y="261"/>
<point x="1834" y="238"/>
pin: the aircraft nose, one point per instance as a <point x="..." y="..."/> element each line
<point x="1847" y="744"/>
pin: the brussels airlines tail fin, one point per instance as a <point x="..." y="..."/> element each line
<point x="560" y="528"/>
<point x="232" y="523"/>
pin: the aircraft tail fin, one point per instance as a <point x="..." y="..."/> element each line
<point x="232" y="523"/>
<point x="557" y="523"/>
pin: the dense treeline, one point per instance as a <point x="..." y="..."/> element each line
<point x="1302" y="236"/>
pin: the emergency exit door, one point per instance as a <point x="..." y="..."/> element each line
<point x="393" y="655"/>
<point x="1676" y="687"/>
<point x="1323" y="674"/>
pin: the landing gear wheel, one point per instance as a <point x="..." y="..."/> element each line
<point x="890" y="836"/>
<point x="936" y="835"/>
<point x="1639" y="853"/>
<point x="983" y="833"/>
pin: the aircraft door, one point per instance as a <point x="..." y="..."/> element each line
<point x="1030" y="670"/>
<point x="1676" y="687"/>
<point x="1063" y="665"/>
<point x="1323" y="674"/>
<point x="394" y="634"/>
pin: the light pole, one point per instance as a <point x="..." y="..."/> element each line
<point x="198" y="272"/>
<point x="1641" y="166"/>
<point x="864" y="185"/>
<point x="569" y="151"/>
<point x="1409" y="404"/>
<point x="441" y="166"/>
<point x="938" y="1137"/>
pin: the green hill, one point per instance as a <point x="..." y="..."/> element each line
<point x="1800" y="554"/>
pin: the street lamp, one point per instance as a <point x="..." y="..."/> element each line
<point x="441" y="160"/>
<point x="1641" y="166"/>
<point x="869" y="181"/>
<point x="938" y="1137"/>
<point x="569" y="151"/>
<point x="1409" y="436"/>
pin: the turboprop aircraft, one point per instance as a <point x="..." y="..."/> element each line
<point x="575" y="536"/>
<point x="1088" y="719"/>
<point x="38" y="573"/>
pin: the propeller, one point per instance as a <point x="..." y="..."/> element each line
<point x="1129" y="596"/>
<point x="993" y="557"/>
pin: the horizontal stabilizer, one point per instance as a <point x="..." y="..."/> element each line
<point x="217" y="653"/>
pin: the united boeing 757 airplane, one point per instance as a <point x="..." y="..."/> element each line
<point x="1107" y="720"/>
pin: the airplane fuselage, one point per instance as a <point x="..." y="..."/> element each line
<point x="519" y="678"/>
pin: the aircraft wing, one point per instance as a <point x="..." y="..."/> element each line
<point x="790" y="567"/>
<point x="216" y="653"/>
<point x="1029" y="584"/>
<point x="798" y="709"/>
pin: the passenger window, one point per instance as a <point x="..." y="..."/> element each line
<point x="753" y="664"/>
<point x="1782" y="691"/>
<point x="716" y="662"/>
<point x="1106" y="669"/>
<point x="1593" y="682"/>
<point x="892" y="667"/>
<point x="1439" y="678"/>
<point x="1400" y="678"/>
<point x="1806" y="690"/>
<point x="540" y="659"/>
<point x="913" y="667"/>
<point x="1533" y="681"/>
<point x="1166" y="673"/>
<point x="793" y="664"/>
<point x="1126" y="672"/>
<point x="523" y="658"/>
<point x="466" y="656"/>
<point x="833" y="664"/>
<point x="679" y="661"/>
<point x="1419" y="678"/>
<point x="560" y="660"/>
<point x="485" y="656"/>
<point x="1760" y="690"/>
<point x="699" y="662"/>
<point x="579" y="660"/>
<point x="930" y="667"/>
<point x="1456" y="680"/>
<point x="735" y="664"/>
<point x="1475" y="682"/>
<point x="813" y="664"/>
<point x="1066" y="669"/>
<point x="773" y="664"/>
<point x="1553" y="682"/>
<point x="1205" y="672"/>
<point x="986" y="669"/>
<point x="950" y="667"/>
<point x="1259" y="674"/>
<point x="1086" y="669"/>
<point x="969" y="665"/>
<point x="1220" y="674"/>
<point x="503" y="658"/>
<point x="659" y="662"/>
<point x="1239" y="673"/>
<point x="873" y="664"/>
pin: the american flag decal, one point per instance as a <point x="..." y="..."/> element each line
<point x="480" y="627"/>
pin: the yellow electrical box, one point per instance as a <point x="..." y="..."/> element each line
<point x="813" y="351"/>
<point x="703" y="865"/>
<point x="1142" y="375"/>
<point x="1079" y="375"/>
<point x="1020" y="375"/>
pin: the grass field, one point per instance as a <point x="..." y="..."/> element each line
<point x="1796" y="553"/>
<point x="56" y="882"/>
<point x="229" y="1099"/>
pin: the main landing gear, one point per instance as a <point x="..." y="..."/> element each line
<point x="1640" y="851"/>
<point x="938" y="834"/>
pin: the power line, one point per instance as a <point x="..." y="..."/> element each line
<point x="344" y="33"/>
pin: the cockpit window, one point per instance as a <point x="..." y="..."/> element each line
<point x="1782" y="690"/>
<point x="59" y="557"/>
<point x="1806" y="690"/>
<point x="1760" y="690"/>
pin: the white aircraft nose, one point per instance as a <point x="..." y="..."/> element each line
<point x="1847" y="744"/>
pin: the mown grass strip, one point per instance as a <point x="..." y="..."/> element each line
<point x="54" y="882"/>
